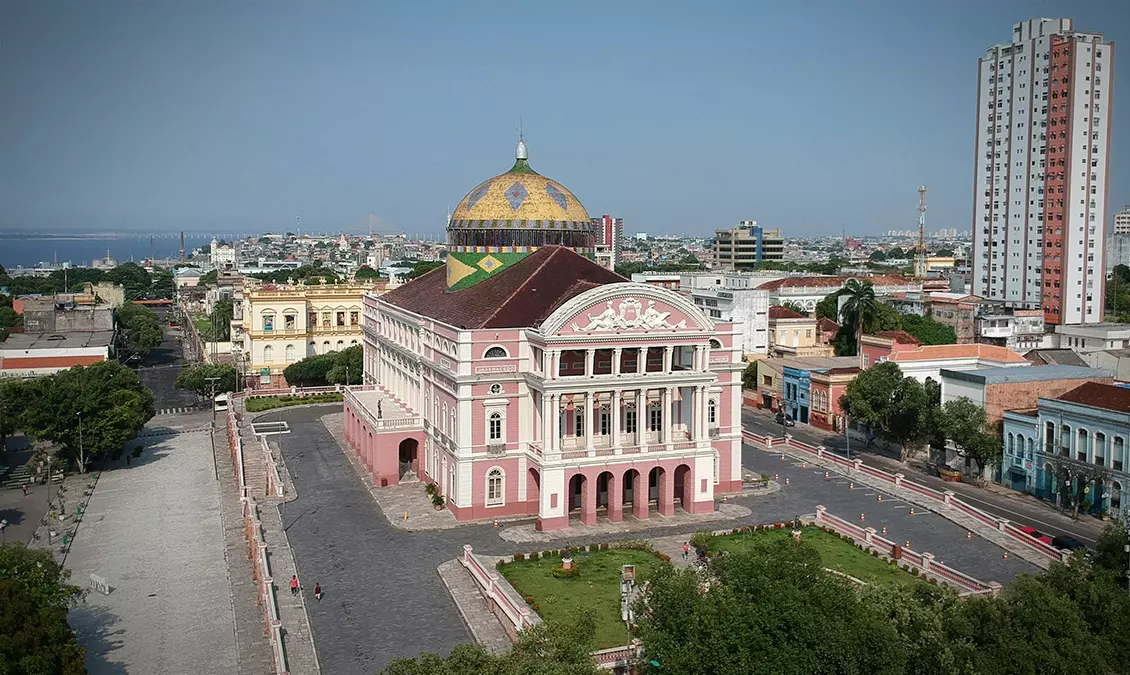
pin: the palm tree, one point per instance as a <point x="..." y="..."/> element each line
<point x="859" y="307"/>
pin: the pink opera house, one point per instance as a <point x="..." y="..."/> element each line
<point x="525" y="379"/>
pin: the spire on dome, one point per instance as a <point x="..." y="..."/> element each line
<point x="521" y="152"/>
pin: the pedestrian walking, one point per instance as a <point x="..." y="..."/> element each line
<point x="379" y="414"/>
<point x="318" y="592"/>
<point x="24" y="486"/>
<point x="686" y="550"/>
<point x="294" y="584"/>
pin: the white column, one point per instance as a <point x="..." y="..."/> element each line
<point x="616" y="352"/>
<point x="551" y="364"/>
<point x="668" y="417"/>
<point x="641" y="362"/>
<point x="589" y="435"/>
<point x="668" y="352"/>
<point x="700" y="426"/>
<point x="617" y="401"/>
<point x="590" y="362"/>
<point x="555" y="422"/>
<point x="641" y="416"/>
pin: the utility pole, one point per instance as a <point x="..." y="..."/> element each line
<point x="81" y="454"/>
<point x="212" y="388"/>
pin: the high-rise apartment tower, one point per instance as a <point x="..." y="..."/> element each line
<point x="1041" y="166"/>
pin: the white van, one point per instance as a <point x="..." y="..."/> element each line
<point x="221" y="402"/>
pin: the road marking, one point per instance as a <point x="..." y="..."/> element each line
<point x="1029" y="519"/>
<point x="897" y="506"/>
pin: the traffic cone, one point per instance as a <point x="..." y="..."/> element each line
<point x="861" y="516"/>
<point x="851" y="486"/>
<point x="804" y="465"/>
<point x="786" y="481"/>
<point x="825" y="475"/>
<point x="907" y="544"/>
<point x="879" y="499"/>
<point x="884" y="529"/>
<point x="912" y="511"/>
<point x="968" y="535"/>
<point x="1005" y="556"/>
<point x="776" y="476"/>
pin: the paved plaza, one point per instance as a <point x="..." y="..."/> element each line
<point x="153" y="530"/>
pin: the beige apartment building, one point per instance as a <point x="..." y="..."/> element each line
<point x="286" y="323"/>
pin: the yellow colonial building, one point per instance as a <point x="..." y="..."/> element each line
<point x="284" y="323"/>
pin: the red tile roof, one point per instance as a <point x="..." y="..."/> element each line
<point x="28" y="362"/>
<point x="778" y="312"/>
<point x="830" y="282"/>
<point x="941" y="352"/>
<point x="519" y="296"/>
<point x="899" y="336"/>
<point x="827" y="325"/>
<point x="842" y="371"/>
<point x="1096" y="395"/>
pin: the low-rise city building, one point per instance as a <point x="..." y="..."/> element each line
<point x="1021" y="330"/>
<point x="36" y="354"/>
<point x="807" y="291"/>
<point x="794" y="334"/>
<point x="746" y="245"/>
<point x="285" y="323"/>
<point x="998" y="390"/>
<point x="1080" y="435"/>
<point x="1093" y="337"/>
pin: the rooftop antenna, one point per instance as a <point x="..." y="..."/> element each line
<point x="920" y="262"/>
<point x="182" y="245"/>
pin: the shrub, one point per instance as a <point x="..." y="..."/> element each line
<point x="702" y="539"/>
<point x="560" y="572"/>
<point x="913" y="570"/>
<point x="634" y="544"/>
<point x="604" y="547"/>
<point x="519" y="556"/>
<point x="547" y="554"/>
<point x="437" y="499"/>
<point x="663" y="556"/>
<point x="529" y="599"/>
<point x="933" y="581"/>
<point x="533" y="555"/>
<point x="536" y="607"/>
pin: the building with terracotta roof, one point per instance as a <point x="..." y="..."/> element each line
<point x="1078" y="441"/>
<point x="927" y="361"/>
<point x="523" y="378"/>
<point x="29" y="355"/>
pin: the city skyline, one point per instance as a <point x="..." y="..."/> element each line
<point x="163" y="118"/>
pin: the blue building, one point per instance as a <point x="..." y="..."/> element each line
<point x="797" y="392"/>
<point x="1077" y="441"/>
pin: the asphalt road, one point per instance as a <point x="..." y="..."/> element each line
<point x="159" y="370"/>
<point x="997" y="500"/>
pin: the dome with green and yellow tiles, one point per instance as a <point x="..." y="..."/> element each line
<point x="510" y="216"/>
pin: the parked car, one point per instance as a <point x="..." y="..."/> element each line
<point x="784" y="419"/>
<point x="1067" y="543"/>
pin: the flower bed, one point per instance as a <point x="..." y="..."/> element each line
<point x="593" y="583"/>
<point x="261" y="403"/>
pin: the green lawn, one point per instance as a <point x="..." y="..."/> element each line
<point x="835" y="553"/>
<point x="597" y="588"/>
<point x="203" y="325"/>
<point x="261" y="403"/>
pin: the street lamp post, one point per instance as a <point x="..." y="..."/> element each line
<point x="212" y="388"/>
<point x="81" y="455"/>
<point x="847" y="433"/>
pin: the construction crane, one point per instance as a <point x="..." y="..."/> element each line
<point x="920" y="259"/>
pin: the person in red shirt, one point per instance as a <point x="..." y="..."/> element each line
<point x="294" y="584"/>
<point x="318" y="592"/>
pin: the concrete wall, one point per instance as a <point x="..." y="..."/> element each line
<point x="42" y="317"/>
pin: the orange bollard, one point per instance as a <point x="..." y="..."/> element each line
<point x="1005" y="556"/>
<point x="776" y="476"/>
<point x="879" y="499"/>
<point x="884" y="529"/>
<point x="912" y="511"/>
<point x="907" y="544"/>
<point x="825" y="475"/>
<point x="851" y="486"/>
<point x="861" y="516"/>
<point x="968" y="535"/>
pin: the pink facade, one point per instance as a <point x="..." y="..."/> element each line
<point x="623" y="402"/>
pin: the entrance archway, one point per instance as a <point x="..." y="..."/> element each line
<point x="631" y="482"/>
<point x="603" y="489"/>
<point x="533" y="491"/>
<point x="684" y="487"/>
<point x="407" y="456"/>
<point x="576" y="491"/>
<point x="653" y="478"/>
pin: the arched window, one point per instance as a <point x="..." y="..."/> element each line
<point x="495" y="353"/>
<point x="352" y="342"/>
<point x="1031" y="447"/>
<point x="1011" y="444"/>
<point x="268" y="354"/>
<point x="496" y="487"/>
<point x="268" y="320"/>
<point x="714" y="344"/>
<point x="290" y="353"/>
<point x="712" y="412"/>
<point x="495" y="426"/>
<point x="340" y="345"/>
<point x="326" y="347"/>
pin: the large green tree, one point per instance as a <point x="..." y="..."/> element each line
<point x="749" y="376"/>
<point x="348" y="366"/>
<point x="14" y="399"/>
<point x="35" y="597"/>
<point x="829" y="307"/>
<point x="140" y="328"/>
<point x="366" y="273"/>
<point x="199" y="379"/>
<point x="771" y="609"/>
<point x="561" y="649"/>
<point x="928" y="330"/>
<point x="870" y="398"/>
<point x="220" y="320"/>
<point x="967" y="426"/>
<point x="91" y="411"/>
<point x="135" y="281"/>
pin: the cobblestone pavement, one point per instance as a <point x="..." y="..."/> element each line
<point x="154" y="531"/>
<point x="995" y="499"/>
<point x="626" y="529"/>
<point x="383" y="599"/>
<point x="472" y="606"/>
<point x="927" y="531"/>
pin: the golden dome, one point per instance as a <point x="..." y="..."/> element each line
<point x="520" y="194"/>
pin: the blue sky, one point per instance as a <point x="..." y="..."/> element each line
<point x="680" y="117"/>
